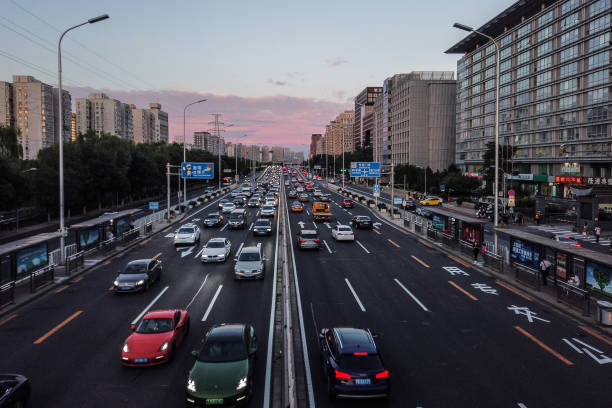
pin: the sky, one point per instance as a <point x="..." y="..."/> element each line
<point x="278" y="71"/>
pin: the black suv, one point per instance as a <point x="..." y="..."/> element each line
<point x="262" y="226"/>
<point x="352" y="364"/>
<point x="362" y="221"/>
<point x="213" y="220"/>
<point x="237" y="219"/>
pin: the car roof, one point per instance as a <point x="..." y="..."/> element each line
<point x="352" y="340"/>
<point x="139" y="262"/>
<point x="362" y="216"/>
<point x="238" y="211"/>
<point x="218" y="239"/>
<point x="189" y="225"/>
<point x="308" y="232"/>
<point x="263" y="220"/>
<point x="227" y="332"/>
<point x="156" y="314"/>
<point x="214" y="214"/>
<point x="250" y="249"/>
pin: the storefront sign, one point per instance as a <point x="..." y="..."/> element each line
<point x="569" y="180"/>
<point x="561" y="265"/>
<point x="570" y="169"/>
<point x="526" y="253"/>
<point x="599" y="181"/>
<point x="470" y="232"/>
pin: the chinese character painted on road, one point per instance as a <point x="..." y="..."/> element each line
<point x="602" y="359"/>
<point x="453" y="270"/>
<point x="526" y="312"/>
<point x="485" y="288"/>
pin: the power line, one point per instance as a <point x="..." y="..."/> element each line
<point x="38" y="68"/>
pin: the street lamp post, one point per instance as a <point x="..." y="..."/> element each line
<point x="496" y="186"/>
<point x="185" y="149"/>
<point x="236" y="157"/>
<point x="62" y="228"/>
<point x="219" y="151"/>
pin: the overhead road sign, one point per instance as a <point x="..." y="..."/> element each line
<point x="365" y="169"/>
<point x="153" y="205"/>
<point x="191" y="170"/>
<point x="376" y="190"/>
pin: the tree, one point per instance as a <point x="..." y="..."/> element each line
<point x="12" y="180"/>
<point x="602" y="278"/>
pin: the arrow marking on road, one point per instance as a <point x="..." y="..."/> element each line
<point x="301" y="224"/>
<point x="187" y="252"/>
<point x="327" y="225"/>
<point x="170" y="235"/>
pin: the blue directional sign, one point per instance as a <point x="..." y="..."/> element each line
<point x="197" y="170"/>
<point x="365" y="169"/>
<point x="153" y="205"/>
<point x="442" y="187"/>
<point x="376" y="190"/>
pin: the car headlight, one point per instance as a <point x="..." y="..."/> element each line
<point x="241" y="384"/>
<point x="221" y="256"/>
<point x="116" y="283"/>
<point x="163" y="347"/>
<point x="140" y="282"/>
<point x="191" y="385"/>
<point x="126" y="348"/>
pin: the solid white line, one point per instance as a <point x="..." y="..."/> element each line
<point x="307" y="212"/>
<point x="364" y="248"/>
<point x="327" y="246"/>
<point x="355" y="295"/>
<point x="199" y="253"/>
<point x="569" y="343"/>
<point x="251" y="227"/>
<point x="196" y="294"/>
<point x="411" y="295"/>
<point x="224" y="227"/>
<point x="146" y="309"/>
<point x="239" y="248"/>
<point x="203" y="208"/>
<point x="350" y="212"/>
<point x="212" y="302"/>
<point x="521" y="405"/>
<point x="315" y="225"/>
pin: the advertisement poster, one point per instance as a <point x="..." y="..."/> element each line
<point x="89" y="237"/>
<point x="123" y="225"/>
<point x="469" y="233"/>
<point x="32" y="258"/>
<point x="599" y="278"/>
<point x="438" y="222"/>
<point x="525" y="253"/>
<point x="561" y="265"/>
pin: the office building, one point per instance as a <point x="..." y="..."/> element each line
<point x="364" y="105"/>
<point x="159" y="131"/>
<point x="315" y="141"/>
<point x="6" y="105"/>
<point x="554" y="93"/>
<point x="340" y="131"/>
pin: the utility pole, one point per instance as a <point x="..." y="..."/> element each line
<point x="168" y="192"/>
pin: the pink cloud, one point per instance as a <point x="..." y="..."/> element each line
<point x="270" y="120"/>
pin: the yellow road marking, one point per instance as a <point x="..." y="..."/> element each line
<point x="393" y="242"/>
<point x="146" y="240"/>
<point x="58" y="327"/>
<point x="63" y="288"/>
<point x="544" y="346"/>
<point x="459" y="261"/>
<point x="80" y="278"/>
<point x="465" y="292"/>
<point x="376" y="231"/>
<point x="156" y="256"/>
<point x="516" y="292"/>
<point x="107" y="262"/>
<point x="591" y="332"/>
<point x="111" y="288"/>
<point x="427" y="244"/>
<point x="8" y="319"/>
<point x="419" y="261"/>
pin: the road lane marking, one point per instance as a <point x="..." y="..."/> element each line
<point x="315" y="225"/>
<point x="111" y="288"/>
<point x="251" y="227"/>
<point x="349" y="212"/>
<point x="80" y="278"/>
<point x="459" y="261"/>
<point x="427" y="244"/>
<point x="465" y="292"/>
<point x="63" y="288"/>
<point x="544" y="346"/>
<point x="391" y="241"/>
<point x="146" y="241"/>
<point x="212" y="302"/>
<point x="419" y="261"/>
<point x="199" y="253"/>
<point x="187" y="252"/>
<point x="58" y="327"/>
<point x="376" y="231"/>
<point x="591" y="332"/>
<point x="355" y="295"/>
<point x="8" y="319"/>
<point x="146" y="309"/>
<point x="224" y="227"/>
<point x="327" y="246"/>
<point x="196" y="294"/>
<point x="411" y="295"/>
<point x="239" y="248"/>
<point x="157" y="256"/>
<point x="364" y="248"/>
<point x="516" y="292"/>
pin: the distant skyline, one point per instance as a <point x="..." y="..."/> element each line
<point x="278" y="70"/>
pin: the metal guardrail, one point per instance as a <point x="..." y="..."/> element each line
<point x="41" y="277"/>
<point x="494" y="260"/>
<point x="7" y="294"/>
<point x="573" y="296"/>
<point x="527" y="275"/>
<point x="75" y="262"/>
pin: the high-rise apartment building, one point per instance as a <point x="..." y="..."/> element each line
<point x="340" y="131"/>
<point x="210" y="143"/>
<point x="364" y="105"/>
<point x="6" y="105"/>
<point x="73" y="127"/>
<point x="265" y="153"/>
<point x="554" y="92"/>
<point x="315" y="140"/>
<point x="104" y="115"/>
<point x="66" y="111"/>
<point x="142" y="122"/>
<point x="277" y="154"/>
<point x="159" y="131"/>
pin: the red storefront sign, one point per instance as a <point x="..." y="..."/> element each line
<point x="569" y="179"/>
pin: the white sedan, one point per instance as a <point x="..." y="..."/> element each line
<point x="228" y="208"/>
<point x="216" y="250"/>
<point x="343" y="233"/>
<point x="188" y="234"/>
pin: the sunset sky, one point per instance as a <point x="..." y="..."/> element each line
<point x="277" y="70"/>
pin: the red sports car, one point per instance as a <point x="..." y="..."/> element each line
<point x="348" y="203"/>
<point x="155" y="338"/>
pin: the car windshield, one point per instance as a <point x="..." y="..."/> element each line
<point x="215" y="244"/>
<point x="309" y="235"/>
<point x="186" y="230"/>
<point x="249" y="256"/>
<point x="566" y="239"/>
<point x="220" y="351"/>
<point x="297" y="204"/>
<point x="267" y="207"/>
<point x="353" y="362"/>
<point x="235" y="217"/>
<point x="345" y="229"/>
<point x="262" y="224"/>
<point x="137" y="268"/>
<point x="212" y="216"/>
<point x="148" y="326"/>
<point x="363" y="218"/>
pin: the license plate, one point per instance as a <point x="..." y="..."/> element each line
<point x="248" y="275"/>
<point x="362" y="381"/>
<point x="141" y="360"/>
<point x="214" y="401"/>
<point x="126" y="288"/>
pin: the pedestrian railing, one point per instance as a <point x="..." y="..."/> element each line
<point x="41" y="277"/>
<point x="432" y="233"/>
<point x="108" y="245"/>
<point x="466" y="247"/>
<point x="449" y="241"/>
<point x="573" y="296"/>
<point x="495" y="261"/>
<point x="70" y="250"/>
<point x="55" y="257"/>
<point x="130" y="235"/>
<point x="7" y="294"/>
<point x="74" y="262"/>
<point x="525" y="274"/>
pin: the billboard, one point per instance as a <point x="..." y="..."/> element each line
<point x="197" y="170"/>
<point x="123" y="225"/>
<point x="89" y="237"/>
<point x="32" y="258"/>
<point x="599" y="278"/>
<point x="525" y="253"/>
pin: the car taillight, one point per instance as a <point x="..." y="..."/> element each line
<point x="340" y="374"/>
<point x="302" y="240"/>
<point x="317" y="240"/>
<point x="578" y="245"/>
<point x="384" y="374"/>
<point x="360" y="353"/>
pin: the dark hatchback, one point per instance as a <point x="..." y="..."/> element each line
<point x="14" y="391"/>
<point x="138" y="276"/>
<point x="262" y="226"/>
<point x="410" y="205"/>
<point x="362" y="221"/>
<point x="352" y="363"/>
<point x="213" y="220"/>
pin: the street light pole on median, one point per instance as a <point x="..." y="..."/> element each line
<point x="60" y="127"/>
<point x="185" y="150"/>
<point x="496" y="186"/>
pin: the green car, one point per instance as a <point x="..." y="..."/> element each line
<point x="223" y="372"/>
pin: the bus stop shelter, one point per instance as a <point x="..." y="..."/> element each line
<point x="458" y="226"/>
<point x="90" y="233"/>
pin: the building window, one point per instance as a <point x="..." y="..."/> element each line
<point x="489" y="84"/>
<point x="522" y="153"/>
<point x="524" y="43"/>
<point x="505" y="90"/>
<point x="505" y="78"/>
<point x="522" y="99"/>
<point x="545" y="33"/>
<point x="504" y="103"/>
<point x="489" y="120"/>
<point x="490" y="61"/>
<point x="524" y="30"/>
<point x="476" y="56"/>
<point x="569" y="6"/>
<point x="476" y="89"/>
<point x="476" y="100"/>
<point x="476" y="111"/>
<point x="568" y="118"/>
<point x="597" y="95"/>
<point x="522" y="58"/>
<point x="476" y="78"/>
<point x="568" y="54"/>
<point x="568" y="70"/>
<point x="506" y="40"/>
<point x="522" y="126"/>
<point x="544" y="48"/>
<point x="489" y="131"/>
<point x="598" y="113"/>
<point x="489" y="96"/>
<point x="568" y="86"/>
<point x="544" y="63"/>
<point x="476" y="67"/>
<point x="567" y="135"/>
<point x="542" y="137"/>
<point x="504" y="66"/>
<point x="521" y="140"/>
<point x="489" y="73"/>
<point x="598" y="60"/>
<point x="569" y="21"/>
<point x="505" y="53"/>
<point x="543" y="151"/>
<point x="545" y="18"/>
<point x="522" y="71"/>
<point x="521" y="112"/>
<point x="543" y="78"/>
<point x="490" y="49"/>
<point x="543" y="107"/>
<point x="598" y="7"/>
<point x="601" y="23"/>
<point x="489" y="107"/>
<point x="543" y="92"/>
<point x="545" y="122"/>
<point x="597" y="131"/>
<point x="522" y="85"/>
<point x="598" y="78"/>
<point x="569" y="37"/>
<point x="599" y="42"/>
<point x="567" y="102"/>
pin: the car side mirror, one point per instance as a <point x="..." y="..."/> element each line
<point x="133" y="327"/>
<point x="321" y="336"/>
<point x="375" y="335"/>
<point x="195" y="353"/>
